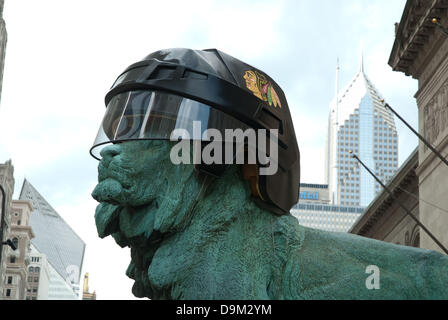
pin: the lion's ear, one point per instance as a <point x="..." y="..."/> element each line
<point x="250" y="172"/>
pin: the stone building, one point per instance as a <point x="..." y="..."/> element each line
<point x="86" y="295"/>
<point x="7" y="182"/>
<point x="38" y="276"/>
<point x="3" y="40"/>
<point x="6" y="170"/>
<point x="17" y="261"/>
<point x="420" y="50"/>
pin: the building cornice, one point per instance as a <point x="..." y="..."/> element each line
<point x="384" y="200"/>
<point x="23" y="202"/>
<point x="413" y="34"/>
<point x="431" y="161"/>
<point x="21" y="229"/>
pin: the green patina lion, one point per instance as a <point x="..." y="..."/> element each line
<point x="203" y="239"/>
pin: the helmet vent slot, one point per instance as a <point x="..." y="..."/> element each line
<point x="163" y="72"/>
<point x="190" y="74"/>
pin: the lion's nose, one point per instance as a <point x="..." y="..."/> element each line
<point x="109" y="152"/>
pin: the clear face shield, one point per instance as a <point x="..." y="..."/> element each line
<point x="155" y="115"/>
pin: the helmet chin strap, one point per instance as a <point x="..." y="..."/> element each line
<point x="250" y="173"/>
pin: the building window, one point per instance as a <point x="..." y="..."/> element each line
<point x="8" y="292"/>
<point x="31" y="269"/>
<point x="12" y="259"/>
<point x="9" y="280"/>
<point x="36" y="279"/>
<point x="37" y="269"/>
<point x="34" y="289"/>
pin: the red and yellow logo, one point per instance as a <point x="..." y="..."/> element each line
<point x="261" y="87"/>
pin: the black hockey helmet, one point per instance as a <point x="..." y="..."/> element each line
<point x="169" y="89"/>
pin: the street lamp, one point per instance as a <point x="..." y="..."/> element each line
<point x="11" y="244"/>
<point x="436" y="21"/>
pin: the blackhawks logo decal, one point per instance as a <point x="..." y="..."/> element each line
<point x="262" y="88"/>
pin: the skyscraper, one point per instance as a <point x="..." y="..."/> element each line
<point x="358" y="121"/>
<point x="63" y="248"/>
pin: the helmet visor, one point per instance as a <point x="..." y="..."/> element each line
<point x="155" y="115"/>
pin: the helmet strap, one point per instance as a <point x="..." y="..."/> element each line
<point x="250" y="173"/>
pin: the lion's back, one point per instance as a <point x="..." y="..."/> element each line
<point x="330" y="265"/>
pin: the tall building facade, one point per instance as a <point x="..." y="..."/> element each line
<point x="358" y="121"/>
<point x="3" y="40"/>
<point x="420" y="50"/>
<point x="63" y="248"/>
<point x="17" y="261"/>
<point x="38" y="276"/>
<point x="315" y="211"/>
<point x="6" y="170"/>
<point x="7" y="182"/>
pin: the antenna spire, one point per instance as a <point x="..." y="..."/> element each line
<point x="361" y="59"/>
<point x="336" y="87"/>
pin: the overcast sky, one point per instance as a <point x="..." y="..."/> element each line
<point x="63" y="56"/>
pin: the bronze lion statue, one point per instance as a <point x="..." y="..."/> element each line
<point x="193" y="239"/>
<point x="219" y="229"/>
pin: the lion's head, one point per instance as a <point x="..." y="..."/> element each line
<point x="138" y="176"/>
<point x="146" y="202"/>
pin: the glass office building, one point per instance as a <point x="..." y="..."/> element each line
<point x="359" y="121"/>
<point x="314" y="210"/>
<point x="328" y="217"/>
<point x="62" y="246"/>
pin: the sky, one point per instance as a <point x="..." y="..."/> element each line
<point x="63" y="56"/>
